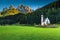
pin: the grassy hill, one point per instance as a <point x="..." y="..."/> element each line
<point x="14" y="32"/>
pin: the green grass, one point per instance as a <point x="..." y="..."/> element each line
<point x="28" y="33"/>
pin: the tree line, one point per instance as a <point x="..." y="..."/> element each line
<point x="32" y="18"/>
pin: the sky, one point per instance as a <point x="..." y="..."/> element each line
<point x="34" y="4"/>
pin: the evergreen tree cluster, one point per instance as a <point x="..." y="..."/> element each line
<point x="51" y="11"/>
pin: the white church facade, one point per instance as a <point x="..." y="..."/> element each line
<point x="45" y="21"/>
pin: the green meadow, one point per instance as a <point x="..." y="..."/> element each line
<point x="16" y="32"/>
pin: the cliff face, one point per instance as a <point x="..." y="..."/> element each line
<point x="24" y="9"/>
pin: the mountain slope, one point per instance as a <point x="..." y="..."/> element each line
<point x="55" y="4"/>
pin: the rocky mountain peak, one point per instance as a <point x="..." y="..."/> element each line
<point x="11" y="7"/>
<point x="24" y="9"/>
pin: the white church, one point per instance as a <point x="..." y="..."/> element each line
<point x="44" y="22"/>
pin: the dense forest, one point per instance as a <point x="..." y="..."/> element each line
<point x="52" y="11"/>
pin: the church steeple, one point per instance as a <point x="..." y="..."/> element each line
<point x="42" y="24"/>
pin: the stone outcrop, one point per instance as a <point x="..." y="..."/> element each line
<point x="24" y="9"/>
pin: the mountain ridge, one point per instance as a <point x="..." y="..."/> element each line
<point x="26" y="9"/>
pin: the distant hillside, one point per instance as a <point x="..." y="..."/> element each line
<point x="49" y="7"/>
<point x="55" y="4"/>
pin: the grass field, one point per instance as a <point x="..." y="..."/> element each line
<point x="28" y="33"/>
